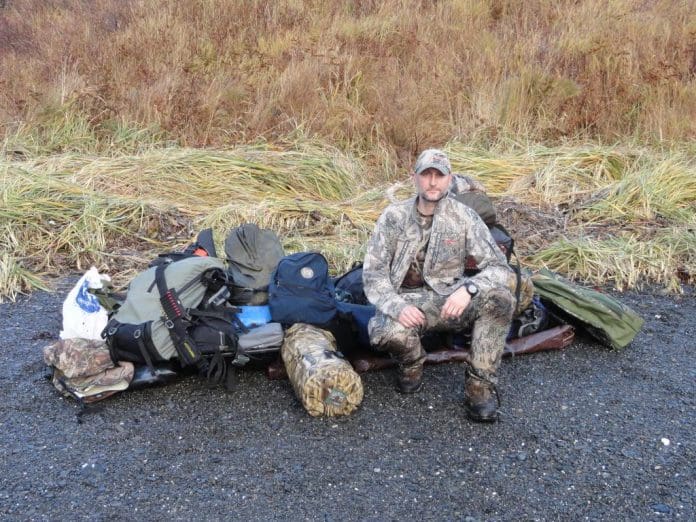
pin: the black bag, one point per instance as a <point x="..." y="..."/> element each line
<point x="503" y="239"/>
<point x="349" y="287"/>
<point x="214" y="331"/>
<point x="353" y="307"/>
<point x="203" y="246"/>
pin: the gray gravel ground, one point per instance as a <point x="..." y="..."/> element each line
<point x="586" y="433"/>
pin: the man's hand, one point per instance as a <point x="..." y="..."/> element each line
<point x="412" y="317"/>
<point x="455" y="304"/>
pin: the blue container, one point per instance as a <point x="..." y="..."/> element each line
<point x="254" y="315"/>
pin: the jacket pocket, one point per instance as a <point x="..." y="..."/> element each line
<point x="448" y="255"/>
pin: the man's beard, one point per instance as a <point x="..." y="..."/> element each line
<point x="425" y="197"/>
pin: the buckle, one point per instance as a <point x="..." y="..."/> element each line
<point x="169" y="324"/>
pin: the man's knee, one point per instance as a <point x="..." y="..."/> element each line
<point x="498" y="303"/>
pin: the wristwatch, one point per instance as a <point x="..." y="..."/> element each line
<point x="472" y="289"/>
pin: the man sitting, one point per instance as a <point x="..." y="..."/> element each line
<point x="414" y="274"/>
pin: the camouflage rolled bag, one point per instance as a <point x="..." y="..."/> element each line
<point x="83" y="369"/>
<point x="323" y="380"/>
<point x="606" y="319"/>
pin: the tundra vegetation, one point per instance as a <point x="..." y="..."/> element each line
<point x="128" y="125"/>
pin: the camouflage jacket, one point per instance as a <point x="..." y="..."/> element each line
<point x="457" y="232"/>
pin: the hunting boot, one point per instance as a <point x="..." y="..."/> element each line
<point x="410" y="373"/>
<point x="481" y="399"/>
<point x="409" y="378"/>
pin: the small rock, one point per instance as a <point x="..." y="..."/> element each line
<point x="630" y="453"/>
<point x="661" y="508"/>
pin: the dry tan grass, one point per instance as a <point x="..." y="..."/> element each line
<point x="70" y="210"/>
<point x="105" y="107"/>
<point x="383" y="78"/>
<point x="623" y="215"/>
<point x="626" y="260"/>
<point x="620" y="215"/>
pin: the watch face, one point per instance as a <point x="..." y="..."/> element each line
<point x="472" y="289"/>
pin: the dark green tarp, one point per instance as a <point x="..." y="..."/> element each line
<point x="602" y="316"/>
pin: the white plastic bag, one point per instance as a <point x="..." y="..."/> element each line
<point x="83" y="316"/>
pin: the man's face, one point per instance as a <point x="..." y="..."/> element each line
<point x="432" y="185"/>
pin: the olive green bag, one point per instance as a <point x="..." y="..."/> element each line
<point x="606" y="319"/>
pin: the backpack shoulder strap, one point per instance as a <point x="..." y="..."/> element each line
<point x="175" y="314"/>
<point x="176" y="317"/>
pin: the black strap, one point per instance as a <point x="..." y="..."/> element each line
<point x="216" y="371"/>
<point x="518" y="277"/>
<point x="175" y="315"/>
<point x="107" y="334"/>
<point x="222" y="314"/>
<point x="516" y="267"/>
<point x="138" y="334"/>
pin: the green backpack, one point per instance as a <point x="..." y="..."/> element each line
<point x="606" y="319"/>
<point x="177" y="311"/>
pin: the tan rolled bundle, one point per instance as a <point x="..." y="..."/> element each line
<point x="526" y="289"/>
<point x="325" y="383"/>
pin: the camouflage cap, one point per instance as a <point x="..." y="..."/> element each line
<point x="435" y="159"/>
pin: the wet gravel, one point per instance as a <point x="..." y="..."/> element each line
<point x="585" y="433"/>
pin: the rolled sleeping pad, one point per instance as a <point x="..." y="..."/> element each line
<point x="323" y="380"/>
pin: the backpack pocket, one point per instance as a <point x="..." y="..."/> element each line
<point x="213" y="335"/>
<point x="131" y="342"/>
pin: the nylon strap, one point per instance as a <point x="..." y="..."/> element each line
<point x="138" y="334"/>
<point x="175" y="314"/>
<point x="516" y="267"/>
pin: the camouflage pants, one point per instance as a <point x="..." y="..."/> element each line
<point x="488" y="316"/>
